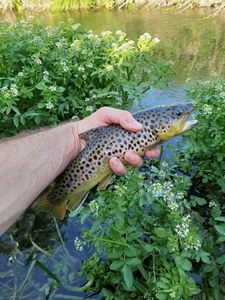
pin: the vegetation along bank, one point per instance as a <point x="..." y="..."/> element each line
<point x="107" y="4"/>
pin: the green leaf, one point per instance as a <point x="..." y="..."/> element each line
<point x="117" y="264"/>
<point x="186" y="265"/>
<point x="148" y="248"/>
<point x="40" y="105"/>
<point x="46" y="270"/>
<point x="161" y="232"/>
<point x="132" y="251"/>
<point x="222" y="219"/>
<point x="16" y="121"/>
<point x="40" y="85"/>
<point x="205" y="257"/>
<point x="127" y="276"/>
<point x="133" y="262"/>
<point x="221" y="260"/>
<point x="220" y="229"/>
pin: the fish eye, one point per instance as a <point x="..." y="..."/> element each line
<point x="179" y="114"/>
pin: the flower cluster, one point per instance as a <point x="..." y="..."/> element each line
<point x="8" y="92"/>
<point x="76" y="26"/>
<point x="207" y="109"/>
<point x="193" y="245"/>
<point x="145" y="42"/>
<point x="79" y="245"/>
<point x="183" y="229"/>
<point x="120" y="190"/>
<point x="49" y="105"/>
<point x="94" y="207"/>
<point x="37" y="59"/>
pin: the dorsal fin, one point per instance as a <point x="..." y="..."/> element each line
<point x="91" y="134"/>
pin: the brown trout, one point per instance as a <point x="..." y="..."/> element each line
<point x="91" y="166"/>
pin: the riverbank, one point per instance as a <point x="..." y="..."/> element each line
<point x="65" y="5"/>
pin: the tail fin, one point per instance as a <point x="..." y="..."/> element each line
<point x="43" y="203"/>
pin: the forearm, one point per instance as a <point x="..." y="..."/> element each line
<point x="28" y="164"/>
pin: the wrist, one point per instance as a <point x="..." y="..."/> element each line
<point x="71" y="141"/>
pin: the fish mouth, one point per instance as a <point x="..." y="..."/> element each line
<point x="189" y="124"/>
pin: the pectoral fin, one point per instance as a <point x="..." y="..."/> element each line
<point x="76" y="200"/>
<point x="105" y="182"/>
<point x="43" y="203"/>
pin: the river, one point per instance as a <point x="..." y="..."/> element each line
<point x="195" y="43"/>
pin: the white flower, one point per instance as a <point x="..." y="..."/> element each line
<point x="20" y="74"/>
<point x="193" y="245"/>
<point x="106" y="33"/>
<point x="90" y="36"/>
<point x="222" y="95"/>
<point x="120" y="190"/>
<point x="87" y="99"/>
<point x="121" y="34"/>
<point x="173" y="205"/>
<point x="52" y="88"/>
<point x="156" y="40"/>
<point x="45" y="75"/>
<point x="49" y="105"/>
<point x="58" y="44"/>
<point x="180" y="196"/>
<point x="64" y="66"/>
<point x="109" y="68"/>
<point x="207" y="109"/>
<point x="212" y="204"/>
<point x="14" y="90"/>
<point x="81" y="69"/>
<point x="145" y="35"/>
<point x="76" y="26"/>
<point x="127" y="45"/>
<point x="94" y="207"/>
<point x="79" y="245"/>
<point x="4" y="89"/>
<point x="37" y="60"/>
<point x="90" y="108"/>
<point x="182" y="230"/>
<point x="75" y="44"/>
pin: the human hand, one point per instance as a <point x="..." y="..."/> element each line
<point x="106" y="116"/>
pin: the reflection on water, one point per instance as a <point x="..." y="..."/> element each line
<point x="197" y="47"/>
<point x="194" y="42"/>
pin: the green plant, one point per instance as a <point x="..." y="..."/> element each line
<point x="204" y="153"/>
<point x="51" y="75"/>
<point x="145" y="238"/>
<point x="202" y="158"/>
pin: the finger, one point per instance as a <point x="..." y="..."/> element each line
<point x="133" y="159"/>
<point x="117" y="116"/>
<point x="152" y="153"/>
<point x="117" y="167"/>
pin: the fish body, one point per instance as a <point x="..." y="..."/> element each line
<point x="91" y="166"/>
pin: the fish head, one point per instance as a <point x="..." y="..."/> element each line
<point x="173" y="120"/>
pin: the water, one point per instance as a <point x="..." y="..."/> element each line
<point x="196" y="45"/>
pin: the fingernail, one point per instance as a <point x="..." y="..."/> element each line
<point x="115" y="161"/>
<point x="135" y="124"/>
<point x="132" y="156"/>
